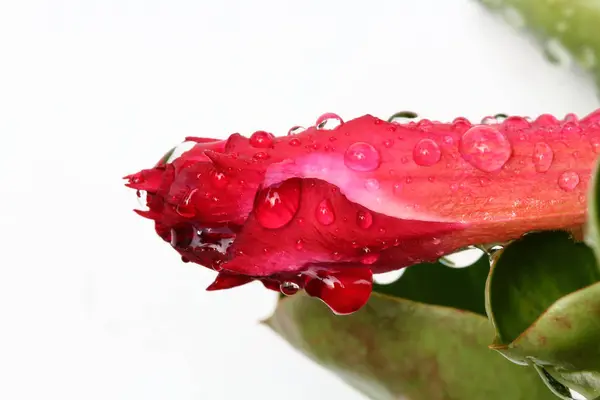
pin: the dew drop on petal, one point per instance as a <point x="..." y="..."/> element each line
<point x="362" y="157"/>
<point x="546" y="120"/>
<point x="387" y="278"/>
<point x="324" y="213"/>
<point x="329" y="121"/>
<point x="485" y="148"/>
<point x="372" y="184"/>
<point x="461" y="124"/>
<point x="568" y="181"/>
<point x="218" y="179"/>
<point x="426" y="152"/>
<point x="369" y="259"/>
<point x="571" y="127"/>
<point x="295" y="142"/>
<point x="276" y="206"/>
<point x="289" y="288"/>
<point x="294" y="130"/>
<point x="299" y="244"/>
<point x="344" y="291"/>
<point x="516" y="123"/>
<point x="595" y="143"/>
<point x="261" y="139"/>
<point x="261" y="155"/>
<point x="364" y="219"/>
<point x="542" y="156"/>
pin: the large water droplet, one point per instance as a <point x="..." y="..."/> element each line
<point x="218" y="179"/>
<point x="344" y="291"/>
<point x="546" y="121"/>
<point x="485" y="148"/>
<point x="542" y="157"/>
<point x="364" y="219"/>
<point x="363" y="157"/>
<point x="295" y="142"/>
<point x="568" y="181"/>
<point x="324" y="213"/>
<point x="261" y="139"/>
<point x="276" y="206"/>
<point x="329" y="121"/>
<point x="289" y="288"/>
<point x="261" y="155"/>
<point x="426" y="152"/>
<point x="595" y="143"/>
<point x="388" y="278"/>
<point x="462" y="259"/>
<point x="294" y="130"/>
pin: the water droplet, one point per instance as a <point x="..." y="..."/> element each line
<point x="261" y="139"/>
<point x="295" y="142"/>
<point x="424" y="124"/>
<point x="489" y="120"/>
<point x="299" y="244"/>
<point x="568" y="181"/>
<point x="329" y="121"/>
<point x="485" y="148"/>
<point x="324" y="213"/>
<point x="516" y="123"/>
<point x="277" y="206"/>
<point x="218" y="179"/>
<point x="186" y="207"/>
<point x="261" y="155"/>
<point x="454" y="187"/>
<point x="388" y="278"/>
<point x="372" y="185"/>
<point x="362" y="157"/>
<point x="344" y="291"/>
<point x="369" y="258"/>
<point x="289" y="288"/>
<point x="402" y="117"/>
<point x="461" y="124"/>
<point x="364" y="219"/>
<point x="462" y="259"/>
<point x="449" y="140"/>
<point x="294" y="130"/>
<point x="571" y="117"/>
<point x="546" y="121"/>
<point x="542" y="156"/>
<point x="388" y="143"/>
<point x="426" y="152"/>
<point x="595" y="143"/>
<point x="397" y="188"/>
<point x="556" y="53"/>
<point x="571" y="128"/>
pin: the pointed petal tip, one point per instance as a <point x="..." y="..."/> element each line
<point x="226" y="280"/>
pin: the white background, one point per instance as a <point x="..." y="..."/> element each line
<point x="93" y="305"/>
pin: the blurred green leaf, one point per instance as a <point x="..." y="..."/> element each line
<point x="409" y="342"/>
<point x="567" y="29"/>
<point x="530" y="274"/>
<point x="401" y="349"/>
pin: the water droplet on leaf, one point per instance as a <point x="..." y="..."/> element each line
<point x="542" y="156"/>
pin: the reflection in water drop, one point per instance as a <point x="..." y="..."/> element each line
<point x="388" y="277"/>
<point x="463" y="258"/>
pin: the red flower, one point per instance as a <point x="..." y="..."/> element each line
<point x="323" y="209"/>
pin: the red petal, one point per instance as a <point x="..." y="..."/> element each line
<point x="227" y="281"/>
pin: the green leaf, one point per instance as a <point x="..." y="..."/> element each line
<point x="530" y="275"/>
<point x="565" y="28"/>
<point x="402" y="349"/>
<point x="434" y="283"/>
<point x="592" y="234"/>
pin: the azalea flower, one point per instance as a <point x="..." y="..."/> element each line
<point x="323" y="209"/>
